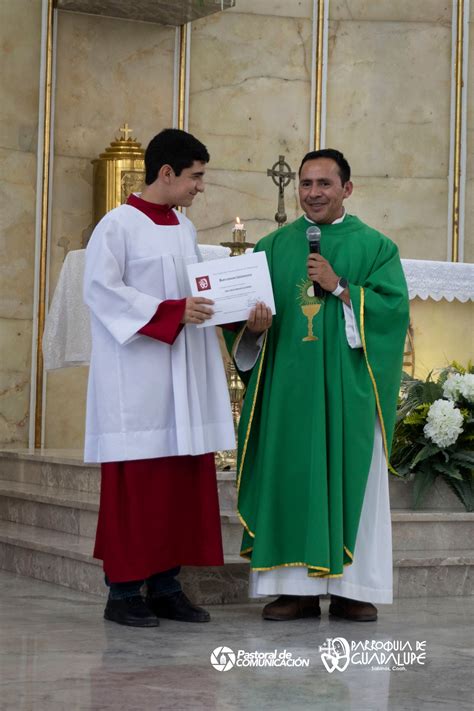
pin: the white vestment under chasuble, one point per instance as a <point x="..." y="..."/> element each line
<point x="146" y="399"/>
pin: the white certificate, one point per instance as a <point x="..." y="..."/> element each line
<point x="235" y="284"/>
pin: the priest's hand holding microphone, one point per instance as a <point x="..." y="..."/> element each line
<point x="320" y="271"/>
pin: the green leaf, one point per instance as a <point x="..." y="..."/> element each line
<point x="427" y="451"/>
<point x="463" y="456"/>
<point x="424" y="480"/>
<point x="447" y="470"/>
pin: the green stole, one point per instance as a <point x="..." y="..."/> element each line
<point x="306" y="431"/>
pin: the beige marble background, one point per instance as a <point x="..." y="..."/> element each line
<point x="250" y="80"/>
<point x="250" y="85"/>
<point x="19" y="51"/>
<point x="388" y="110"/>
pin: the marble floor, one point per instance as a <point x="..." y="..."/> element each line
<point x="57" y="654"/>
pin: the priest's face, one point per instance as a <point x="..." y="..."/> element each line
<point x="321" y="190"/>
<point x="184" y="187"/>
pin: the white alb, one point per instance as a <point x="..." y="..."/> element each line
<point x="146" y="398"/>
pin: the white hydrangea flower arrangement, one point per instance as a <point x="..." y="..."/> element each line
<point x="443" y="423"/>
<point x="434" y="434"/>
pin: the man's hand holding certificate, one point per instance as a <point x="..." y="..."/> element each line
<point x="235" y="285"/>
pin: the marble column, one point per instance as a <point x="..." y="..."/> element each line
<point x="20" y="51"/>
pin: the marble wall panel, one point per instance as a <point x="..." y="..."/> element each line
<point x="66" y="391"/>
<point x="110" y="71"/>
<point x="71" y="211"/>
<point x="388" y="97"/>
<point x="439" y="11"/>
<point x="469" y="222"/>
<point x="250" y="88"/>
<point x="17" y="196"/>
<point x="250" y="195"/>
<point x="412" y="212"/>
<point x="15" y="355"/>
<point x="275" y="8"/>
<point x="17" y="232"/>
<point x="20" y="23"/>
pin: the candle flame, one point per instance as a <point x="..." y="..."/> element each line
<point x="237" y="220"/>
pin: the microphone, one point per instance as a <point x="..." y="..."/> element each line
<point x="313" y="235"/>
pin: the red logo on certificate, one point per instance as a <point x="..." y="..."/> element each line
<point x="203" y="283"/>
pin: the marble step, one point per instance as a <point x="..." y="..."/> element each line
<point x="432" y="530"/>
<point x="65" y="469"/>
<point x="75" y="512"/>
<point x="66" y="559"/>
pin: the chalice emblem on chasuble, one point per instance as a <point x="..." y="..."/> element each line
<point x="310" y="305"/>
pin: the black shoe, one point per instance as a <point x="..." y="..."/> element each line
<point x="132" y="611"/>
<point x="177" y="607"/>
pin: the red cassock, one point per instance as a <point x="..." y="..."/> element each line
<point x="156" y="514"/>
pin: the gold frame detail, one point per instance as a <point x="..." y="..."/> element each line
<point x="458" y="109"/>
<point x="183" y="48"/>
<point x="318" y="102"/>
<point x="45" y="200"/>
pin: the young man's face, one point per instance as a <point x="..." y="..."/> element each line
<point x="185" y="187"/>
<point x="321" y="190"/>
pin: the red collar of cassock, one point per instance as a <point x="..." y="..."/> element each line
<point x="160" y="214"/>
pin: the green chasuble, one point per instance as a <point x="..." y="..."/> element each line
<point x="307" y="427"/>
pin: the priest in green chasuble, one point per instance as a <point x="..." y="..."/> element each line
<point x="316" y="427"/>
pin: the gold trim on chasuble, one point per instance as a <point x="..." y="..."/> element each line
<point x="304" y="299"/>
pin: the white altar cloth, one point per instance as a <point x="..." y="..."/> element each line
<point x="67" y="340"/>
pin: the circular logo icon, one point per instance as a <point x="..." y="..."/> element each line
<point x="223" y="658"/>
<point x="336" y="654"/>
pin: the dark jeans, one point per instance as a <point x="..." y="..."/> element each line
<point x="158" y="585"/>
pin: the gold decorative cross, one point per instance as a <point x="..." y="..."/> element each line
<point x="126" y="130"/>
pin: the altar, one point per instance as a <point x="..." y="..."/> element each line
<point x="441" y="296"/>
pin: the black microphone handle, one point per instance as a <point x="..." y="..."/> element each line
<point x="318" y="289"/>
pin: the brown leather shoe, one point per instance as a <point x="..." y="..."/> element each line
<point x="352" y="609"/>
<point x="292" y="607"/>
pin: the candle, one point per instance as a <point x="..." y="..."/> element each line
<point x="239" y="232"/>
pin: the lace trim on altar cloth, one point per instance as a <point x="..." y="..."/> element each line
<point x="439" y="280"/>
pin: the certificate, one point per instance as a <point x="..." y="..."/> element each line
<point x="235" y="284"/>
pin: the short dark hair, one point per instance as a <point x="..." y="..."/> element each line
<point x="336" y="156"/>
<point x="173" y="147"/>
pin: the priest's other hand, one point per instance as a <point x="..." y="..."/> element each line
<point x="321" y="271"/>
<point x="260" y="318"/>
<point x="197" y="310"/>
